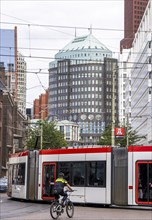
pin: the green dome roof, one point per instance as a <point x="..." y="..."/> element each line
<point x="83" y="43"/>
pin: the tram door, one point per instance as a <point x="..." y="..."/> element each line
<point x="144" y="182"/>
<point x="48" y="179"/>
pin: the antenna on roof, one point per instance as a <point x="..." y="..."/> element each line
<point x="90" y="29"/>
<point x="75" y="32"/>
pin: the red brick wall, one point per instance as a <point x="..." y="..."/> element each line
<point x="41" y="107"/>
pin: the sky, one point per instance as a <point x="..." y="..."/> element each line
<point x="45" y="27"/>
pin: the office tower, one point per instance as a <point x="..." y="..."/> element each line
<point x="8" y="58"/>
<point x="80" y="86"/>
<point x="14" y="67"/>
<point x="138" y="87"/>
<point x="133" y="13"/>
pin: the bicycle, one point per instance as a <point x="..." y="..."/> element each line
<point x="57" y="208"/>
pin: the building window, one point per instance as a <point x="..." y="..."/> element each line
<point x="68" y="132"/>
<point x="62" y="128"/>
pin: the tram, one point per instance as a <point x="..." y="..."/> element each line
<point x="99" y="175"/>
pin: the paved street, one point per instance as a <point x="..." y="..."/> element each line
<point x="21" y="210"/>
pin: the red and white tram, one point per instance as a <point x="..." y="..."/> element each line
<point x="100" y="175"/>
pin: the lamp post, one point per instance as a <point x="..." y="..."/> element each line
<point x="127" y="133"/>
<point x="113" y="106"/>
<point x="41" y="135"/>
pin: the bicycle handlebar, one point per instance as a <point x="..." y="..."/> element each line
<point x="70" y="190"/>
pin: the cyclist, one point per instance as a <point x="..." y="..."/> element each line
<point x="59" y="185"/>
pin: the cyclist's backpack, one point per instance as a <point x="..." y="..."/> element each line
<point x="58" y="187"/>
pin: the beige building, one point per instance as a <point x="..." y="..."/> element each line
<point x="70" y="130"/>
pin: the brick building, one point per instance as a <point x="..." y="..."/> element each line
<point x="133" y="13"/>
<point x="40" y="109"/>
<point x="12" y="128"/>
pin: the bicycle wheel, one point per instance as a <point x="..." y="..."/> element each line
<point x="70" y="209"/>
<point x="54" y="210"/>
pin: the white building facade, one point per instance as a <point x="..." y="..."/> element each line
<point x="122" y="85"/>
<point x="70" y="130"/>
<point x="21" y="83"/>
<point x="138" y="83"/>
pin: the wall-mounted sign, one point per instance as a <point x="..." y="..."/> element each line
<point x="119" y="132"/>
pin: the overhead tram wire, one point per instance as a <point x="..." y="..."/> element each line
<point x="61" y="58"/>
<point x="29" y="23"/>
<point x="33" y="87"/>
<point x="60" y="26"/>
<point x="66" y="27"/>
<point x="51" y="49"/>
<point x="68" y="33"/>
<point x="120" y="77"/>
<point x="32" y="48"/>
<point x="40" y="80"/>
<point x="88" y="28"/>
<point x="139" y="78"/>
<point x="107" y="29"/>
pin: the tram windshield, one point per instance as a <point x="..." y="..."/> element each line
<point x="18" y="174"/>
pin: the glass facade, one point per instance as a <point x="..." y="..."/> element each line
<point x="7" y="49"/>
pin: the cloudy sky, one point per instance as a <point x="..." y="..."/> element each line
<point x="44" y="27"/>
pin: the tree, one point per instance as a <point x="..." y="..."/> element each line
<point x="133" y="137"/>
<point x="51" y="137"/>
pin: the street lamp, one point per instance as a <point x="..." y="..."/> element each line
<point x="113" y="106"/>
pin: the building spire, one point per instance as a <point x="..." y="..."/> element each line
<point x="90" y="29"/>
<point x="75" y="32"/>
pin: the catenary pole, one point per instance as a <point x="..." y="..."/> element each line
<point x="113" y="105"/>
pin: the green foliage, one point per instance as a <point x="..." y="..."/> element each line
<point x="52" y="138"/>
<point x="133" y="137"/>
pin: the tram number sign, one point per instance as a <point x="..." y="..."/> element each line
<point x="119" y="132"/>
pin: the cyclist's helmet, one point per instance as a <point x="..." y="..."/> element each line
<point x="61" y="175"/>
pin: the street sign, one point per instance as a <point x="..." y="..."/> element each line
<point x="119" y="132"/>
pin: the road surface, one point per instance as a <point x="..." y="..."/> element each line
<point x="22" y="210"/>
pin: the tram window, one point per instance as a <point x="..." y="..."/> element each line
<point x="96" y="173"/>
<point x="78" y="171"/>
<point x="144" y="182"/>
<point x="18" y="177"/>
<point x="65" y="167"/>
